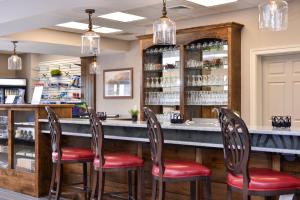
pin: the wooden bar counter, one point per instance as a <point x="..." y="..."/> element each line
<point x="201" y="141"/>
<point x="24" y="157"/>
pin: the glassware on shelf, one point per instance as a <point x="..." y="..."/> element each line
<point x="194" y="64"/>
<point x="162" y="98"/>
<point x="162" y="82"/>
<point x="206" y="80"/>
<point x="154" y="51"/>
<point x="208" y="98"/>
<point x="209" y="46"/>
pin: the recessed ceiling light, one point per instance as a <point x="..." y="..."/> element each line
<point x="122" y="17"/>
<point x="107" y="30"/>
<point x="209" y="3"/>
<point x="76" y="25"/>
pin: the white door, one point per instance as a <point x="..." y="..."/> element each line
<point x="281" y="87"/>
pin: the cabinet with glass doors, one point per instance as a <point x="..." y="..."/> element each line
<point x="200" y="73"/>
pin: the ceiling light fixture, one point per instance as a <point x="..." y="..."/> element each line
<point x="209" y="3"/>
<point x="164" y="29"/>
<point x="273" y="15"/>
<point x="107" y="30"/>
<point x="76" y="25"/>
<point x="90" y="40"/>
<point x="14" y="61"/>
<point x="94" y="66"/>
<point x="122" y="17"/>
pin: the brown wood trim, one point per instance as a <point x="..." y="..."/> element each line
<point x="88" y="81"/>
<point x="10" y="140"/>
<point x="13" y="106"/>
<point x="119" y="97"/>
<point x="195" y="29"/>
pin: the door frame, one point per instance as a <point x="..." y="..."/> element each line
<point x="256" y="84"/>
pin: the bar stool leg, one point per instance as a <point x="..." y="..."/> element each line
<point x="141" y="184"/>
<point x="161" y="187"/>
<point x="193" y="190"/>
<point x="94" y="184"/>
<point x="59" y="175"/>
<point x="154" y="188"/>
<point x="130" y="192"/>
<point x="246" y="196"/>
<point x="207" y="188"/>
<point x="85" y="182"/>
<point x="101" y="181"/>
<point x="53" y="177"/>
<point x="229" y="193"/>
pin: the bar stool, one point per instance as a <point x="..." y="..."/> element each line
<point x="249" y="181"/>
<point x="64" y="155"/>
<point x="172" y="171"/>
<point x="112" y="162"/>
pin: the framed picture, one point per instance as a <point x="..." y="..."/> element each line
<point x="118" y="83"/>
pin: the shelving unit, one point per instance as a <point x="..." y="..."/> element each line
<point x="66" y="88"/>
<point x="208" y="72"/>
<point x="162" y="78"/>
<point x="25" y="153"/>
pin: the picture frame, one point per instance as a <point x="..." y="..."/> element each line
<point x="118" y="83"/>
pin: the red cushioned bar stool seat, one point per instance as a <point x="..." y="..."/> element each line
<point x="181" y="169"/>
<point x="75" y="154"/>
<point x="249" y="181"/>
<point x="262" y="179"/>
<point x="62" y="155"/>
<point x="119" y="160"/>
<point x="167" y="171"/>
<point x="113" y="162"/>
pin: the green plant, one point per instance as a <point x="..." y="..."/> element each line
<point x="134" y="112"/>
<point x="55" y="72"/>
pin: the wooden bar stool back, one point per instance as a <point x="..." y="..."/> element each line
<point x="113" y="162"/>
<point x="249" y="181"/>
<point x="172" y="171"/>
<point x="62" y="155"/>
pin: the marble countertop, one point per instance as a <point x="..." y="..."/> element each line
<point x="199" y="125"/>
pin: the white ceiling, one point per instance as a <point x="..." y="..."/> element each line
<point x="152" y="12"/>
<point x="19" y="16"/>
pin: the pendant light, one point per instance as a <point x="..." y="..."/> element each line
<point x="14" y="61"/>
<point x="90" y="40"/>
<point x="164" y="29"/>
<point x="273" y="15"/>
<point x="94" y="66"/>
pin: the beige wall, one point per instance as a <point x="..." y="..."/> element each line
<point x="4" y="72"/>
<point x="131" y="59"/>
<point x="252" y="38"/>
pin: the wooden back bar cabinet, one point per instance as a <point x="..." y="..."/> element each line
<point x="201" y="72"/>
<point x="24" y="152"/>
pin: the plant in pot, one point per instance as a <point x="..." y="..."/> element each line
<point x="55" y="72"/>
<point x="134" y="112"/>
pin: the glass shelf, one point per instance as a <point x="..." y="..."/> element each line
<point x="162" y="78"/>
<point x="3" y="139"/>
<point x="210" y="85"/>
<point x="206" y="77"/>
<point x="24" y="141"/>
<point x="221" y="104"/>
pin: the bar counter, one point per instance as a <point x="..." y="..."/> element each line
<point x="201" y="141"/>
<point x="202" y="133"/>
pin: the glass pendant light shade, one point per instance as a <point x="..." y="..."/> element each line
<point x="14" y="61"/>
<point x="90" y="40"/>
<point x="90" y="43"/>
<point x="164" y="29"/>
<point x="95" y="66"/>
<point x="273" y="15"/>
